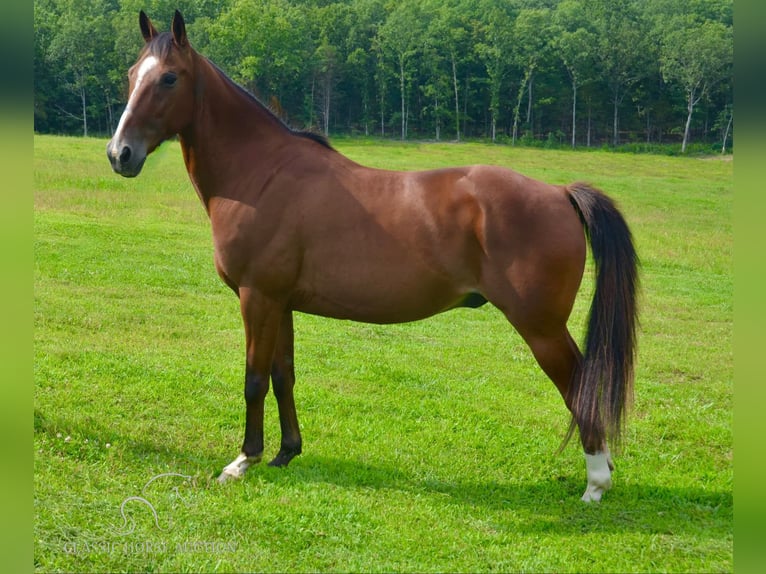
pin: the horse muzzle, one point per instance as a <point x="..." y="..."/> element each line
<point x="126" y="160"/>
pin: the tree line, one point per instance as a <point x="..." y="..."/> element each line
<point x="545" y="72"/>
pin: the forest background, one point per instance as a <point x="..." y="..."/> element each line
<point x="632" y="74"/>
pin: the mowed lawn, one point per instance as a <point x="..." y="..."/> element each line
<point x="428" y="446"/>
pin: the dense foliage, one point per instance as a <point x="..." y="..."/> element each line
<point x="550" y="72"/>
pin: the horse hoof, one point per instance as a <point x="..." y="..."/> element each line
<point x="225" y="477"/>
<point x="593" y="493"/>
<point x="599" y="476"/>
<point x="284" y="457"/>
<point x="236" y="468"/>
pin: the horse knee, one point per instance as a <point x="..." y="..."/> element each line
<point x="283" y="381"/>
<point x="256" y="388"/>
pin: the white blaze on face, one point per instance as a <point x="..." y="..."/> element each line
<point x="148" y="63"/>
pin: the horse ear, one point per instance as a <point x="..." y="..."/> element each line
<point x="179" y="29"/>
<point x="148" y="31"/>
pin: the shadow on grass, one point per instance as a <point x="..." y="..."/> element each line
<point x="548" y="505"/>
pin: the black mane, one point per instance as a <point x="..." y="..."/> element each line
<point x="321" y="139"/>
<point x="307" y="134"/>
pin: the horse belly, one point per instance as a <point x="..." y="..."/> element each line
<point x="377" y="292"/>
<point x="394" y="248"/>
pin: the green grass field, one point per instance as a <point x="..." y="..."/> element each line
<point x="428" y="446"/>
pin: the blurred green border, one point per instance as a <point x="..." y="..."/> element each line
<point x="16" y="218"/>
<point x="16" y="283"/>
<point x="749" y="307"/>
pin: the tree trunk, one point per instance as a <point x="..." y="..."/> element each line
<point x="311" y="106"/>
<point x="84" y="113"/>
<point x="327" y="113"/>
<point x="516" y="110"/>
<point x="326" y="103"/>
<point x="401" y="79"/>
<point x="515" y="129"/>
<point x="366" y="117"/>
<point x="457" y="104"/>
<point x="109" y="113"/>
<point x="382" y="109"/>
<point x="465" y="104"/>
<point x="406" y="119"/>
<point x="690" y="110"/>
<point x="529" y="105"/>
<point x="726" y="132"/>
<point x="574" y="111"/>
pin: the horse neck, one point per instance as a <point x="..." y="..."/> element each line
<point x="231" y="134"/>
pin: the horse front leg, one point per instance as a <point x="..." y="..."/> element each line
<point x="262" y="317"/>
<point x="283" y="380"/>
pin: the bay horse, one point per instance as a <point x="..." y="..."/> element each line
<point x="299" y="227"/>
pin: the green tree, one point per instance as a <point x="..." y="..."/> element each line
<point x="620" y="49"/>
<point x="572" y="41"/>
<point x="695" y="56"/>
<point x="532" y="37"/>
<point x="401" y="40"/>
<point x="44" y="85"/>
<point x="264" y="45"/>
<point x="468" y="67"/>
<point x="493" y="50"/>
<point x="361" y="62"/>
<point x="79" y="42"/>
<point x="327" y="63"/>
<point x="448" y="38"/>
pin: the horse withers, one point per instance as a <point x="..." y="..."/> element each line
<point x="299" y="227"/>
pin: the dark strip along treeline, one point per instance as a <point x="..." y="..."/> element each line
<point x="637" y="74"/>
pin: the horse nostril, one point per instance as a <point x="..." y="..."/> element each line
<point x="125" y="154"/>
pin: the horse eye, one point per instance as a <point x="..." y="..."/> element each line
<point x="169" y="79"/>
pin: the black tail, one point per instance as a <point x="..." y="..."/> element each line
<point x="602" y="389"/>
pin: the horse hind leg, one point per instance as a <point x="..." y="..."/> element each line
<point x="599" y="468"/>
<point x="558" y="356"/>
